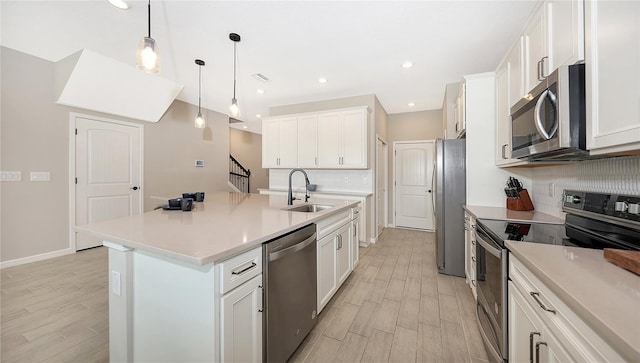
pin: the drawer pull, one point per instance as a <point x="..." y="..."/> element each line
<point x="531" y="335"/>
<point x="253" y="264"/>
<point x="535" y="295"/>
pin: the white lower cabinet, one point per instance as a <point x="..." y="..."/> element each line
<point x="327" y="283"/>
<point x="470" y="251"/>
<point x="241" y="323"/>
<point x="355" y="243"/>
<point x="343" y="257"/>
<point x="543" y="329"/>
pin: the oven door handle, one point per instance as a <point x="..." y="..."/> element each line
<point x="538" y="114"/>
<point x="490" y="247"/>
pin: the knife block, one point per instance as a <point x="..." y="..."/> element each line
<point x="522" y="203"/>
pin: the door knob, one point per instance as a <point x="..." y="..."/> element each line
<point x="429" y="191"/>
<point x="135" y="188"/>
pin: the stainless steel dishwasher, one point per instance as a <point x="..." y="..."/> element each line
<point x="290" y="279"/>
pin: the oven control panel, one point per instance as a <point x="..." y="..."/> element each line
<point x="613" y="205"/>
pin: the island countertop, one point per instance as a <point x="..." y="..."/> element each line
<point x="604" y="295"/>
<point x="224" y="225"/>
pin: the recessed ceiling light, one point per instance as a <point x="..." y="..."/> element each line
<point x="260" y="91"/>
<point x="322" y="80"/>
<point x="411" y="104"/>
<point x="244" y="127"/>
<point x="258" y="115"/>
<point x="407" y="64"/>
<point x="120" y="4"/>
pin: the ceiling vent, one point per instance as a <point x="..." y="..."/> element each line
<point x="261" y="77"/>
<point x="234" y="120"/>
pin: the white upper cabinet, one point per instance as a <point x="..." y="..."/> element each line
<point x="330" y="140"/>
<point x="460" y="115"/>
<point x="508" y="86"/>
<point x="308" y="141"/>
<point x="280" y="142"/>
<point x="613" y="76"/>
<point x="553" y="37"/>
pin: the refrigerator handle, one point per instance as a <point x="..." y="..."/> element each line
<point x="433" y="175"/>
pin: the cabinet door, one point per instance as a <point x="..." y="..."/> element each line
<point x="288" y="142"/>
<point x="613" y="76"/>
<point x="534" y="51"/>
<point x="329" y="140"/>
<point x="270" y="143"/>
<point x="343" y="257"/>
<point x="241" y="323"/>
<point x="308" y="141"/>
<point x="326" y="269"/>
<point x="354" y="139"/>
<point x="503" y="106"/>
<point x="515" y="76"/>
<point x="355" y="243"/>
<point x="565" y="33"/>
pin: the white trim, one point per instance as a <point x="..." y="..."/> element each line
<point x="116" y="246"/>
<point x="373" y="239"/>
<point x="392" y="225"/>
<point x="233" y="187"/>
<point x="35" y="258"/>
<point x="72" y="166"/>
<point x="385" y="183"/>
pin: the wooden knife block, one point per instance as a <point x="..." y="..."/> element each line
<point x="522" y="203"/>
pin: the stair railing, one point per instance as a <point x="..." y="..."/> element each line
<point x="239" y="176"/>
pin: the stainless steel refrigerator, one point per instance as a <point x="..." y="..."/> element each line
<point x="450" y="187"/>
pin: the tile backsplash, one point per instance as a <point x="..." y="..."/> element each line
<point x="612" y="175"/>
<point x="327" y="180"/>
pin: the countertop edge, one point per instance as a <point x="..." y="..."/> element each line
<point x="548" y="218"/>
<point x="592" y="320"/>
<point x="221" y="256"/>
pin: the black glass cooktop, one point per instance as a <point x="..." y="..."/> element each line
<point x="578" y="232"/>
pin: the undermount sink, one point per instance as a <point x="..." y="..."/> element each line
<point x="309" y="208"/>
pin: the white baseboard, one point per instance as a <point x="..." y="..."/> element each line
<point x="390" y="225"/>
<point x="233" y="187"/>
<point x="373" y="240"/>
<point x="35" y="258"/>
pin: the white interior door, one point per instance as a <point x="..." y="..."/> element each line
<point x="413" y="189"/>
<point x="108" y="174"/>
<point x="381" y="185"/>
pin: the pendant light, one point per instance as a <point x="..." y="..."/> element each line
<point x="147" y="58"/>
<point x="233" y="109"/>
<point x="199" y="122"/>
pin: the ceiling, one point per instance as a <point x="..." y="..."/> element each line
<point x="358" y="46"/>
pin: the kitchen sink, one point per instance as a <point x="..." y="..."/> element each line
<point x="309" y="208"/>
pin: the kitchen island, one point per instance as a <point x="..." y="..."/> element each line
<point x="177" y="279"/>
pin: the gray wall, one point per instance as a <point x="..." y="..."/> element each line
<point x="35" y="137"/>
<point x="421" y="125"/>
<point x="246" y="147"/>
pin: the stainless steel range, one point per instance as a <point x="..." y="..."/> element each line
<point x="593" y="220"/>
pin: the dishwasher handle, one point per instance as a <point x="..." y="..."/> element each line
<point x="291" y="250"/>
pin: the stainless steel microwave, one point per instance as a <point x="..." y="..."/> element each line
<point x="550" y="123"/>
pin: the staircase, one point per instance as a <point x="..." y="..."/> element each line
<point x="239" y="177"/>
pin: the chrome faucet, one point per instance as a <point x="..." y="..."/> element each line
<point x="290" y="197"/>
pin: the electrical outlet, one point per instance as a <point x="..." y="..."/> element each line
<point x="11" y="176"/>
<point x="40" y="176"/>
<point x="199" y="163"/>
<point x="552" y="190"/>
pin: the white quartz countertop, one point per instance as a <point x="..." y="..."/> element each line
<point x="505" y="214"/>
<point x="327" y="192"/>
<point x="224" y="225"/>
<point x="605" y="296"/>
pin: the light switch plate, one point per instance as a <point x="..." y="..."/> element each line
<point x="199" y="163"/>
<point x="11" y="176"/>
<point x="116" y="283"/>
<point x="40" y="176"/>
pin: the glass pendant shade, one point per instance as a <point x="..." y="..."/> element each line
<point x="147" y="56"/>
<point x="199" y="122"/>
<point x="233" y="109"/>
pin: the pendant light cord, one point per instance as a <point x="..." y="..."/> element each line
<point x="234" y="68"/>
<point x="199" y="86"/>
<point x="149" y="17"/>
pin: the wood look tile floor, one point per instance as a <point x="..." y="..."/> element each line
<point x="394" y="307"/>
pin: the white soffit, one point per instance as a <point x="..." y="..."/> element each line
<point x="94" y="82"/>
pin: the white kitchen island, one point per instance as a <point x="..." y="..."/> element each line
<point x="186" y="286"/>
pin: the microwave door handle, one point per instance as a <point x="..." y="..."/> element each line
<point x="554" y="103"/>
<point x="538" y="116"/>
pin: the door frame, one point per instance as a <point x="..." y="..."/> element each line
<point x="72" y="165"/>
<point x="393" y="164"/>
<point x="385" y="183"/>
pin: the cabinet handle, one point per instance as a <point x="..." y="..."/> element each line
<point x="316" y="161"/>
<point x="473" y="282"/>
<point x="253" y="264"/>
<point x="504" y="151"/>
<point x="355" y="230"/>
<point x="535" y="295"/>
<point x="262" y="308"/>
<point x="539" y="72"/>
<point x="473" y="258"/>
<point x="531" y="335"/>
<point x="538" y="344"/>
<point x="542" y="67"/>
<point x="473" y="242"/>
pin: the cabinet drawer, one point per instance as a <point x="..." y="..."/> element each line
<point x="237" y="270"/>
